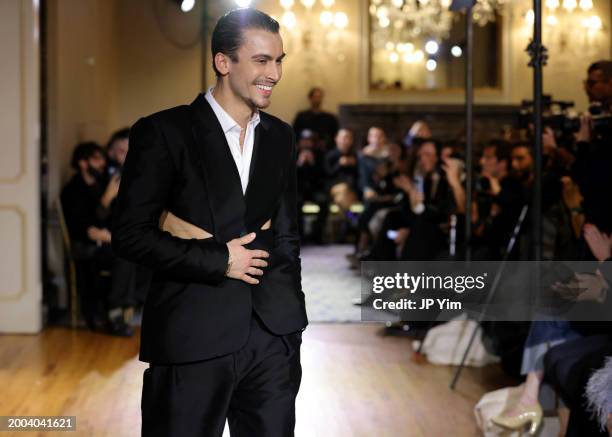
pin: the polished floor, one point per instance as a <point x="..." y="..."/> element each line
<point x="355" y="383"/>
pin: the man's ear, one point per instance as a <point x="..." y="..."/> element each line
<point x="222" y="62"/>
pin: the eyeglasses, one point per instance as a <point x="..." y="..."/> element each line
<point x="589" y="83"/>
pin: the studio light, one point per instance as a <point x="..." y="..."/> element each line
<point x="243" y="3"/>
<point x="431" y="65"/>
<point x="456" y="51"/>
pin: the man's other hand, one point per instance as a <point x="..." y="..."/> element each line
<point x="245" y="263"/>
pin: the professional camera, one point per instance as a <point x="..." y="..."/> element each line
<point x="601" y="123"/>
<point x="561" y="117"/>
<point x="556" y="114"/>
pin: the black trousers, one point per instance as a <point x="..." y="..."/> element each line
<point x="254" y="388"/>
<point x="127" y="285"/>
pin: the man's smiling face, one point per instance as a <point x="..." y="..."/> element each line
<point x="258" y="67"/>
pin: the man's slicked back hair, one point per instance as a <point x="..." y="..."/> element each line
<point x="227" y="37"/>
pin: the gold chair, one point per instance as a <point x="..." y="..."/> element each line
<point x="72" y="270"/>
<point x="72" y="276"/>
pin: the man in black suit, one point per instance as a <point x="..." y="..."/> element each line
<point x="208" y="202"/>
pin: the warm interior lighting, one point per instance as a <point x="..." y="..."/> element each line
<point x="288" y="20"/>
<point x="187" y="5"/>
<point x="570" y="5"/>
<point x="286" y="4"/>
<point x="551" y="20"/>
<point x="456" y="51"/>
<point x="340" y="20"/>
<point x="431" y="47"/>
<point x="552" y="4"/>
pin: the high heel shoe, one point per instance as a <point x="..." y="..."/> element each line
<point x="531" y="415"/>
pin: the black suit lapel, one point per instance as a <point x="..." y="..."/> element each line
<point x="265" y="174"/>
<point x="224" y="189"/>
<point x="256" y="147"/>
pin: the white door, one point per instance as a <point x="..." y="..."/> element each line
<point x="20" y="271"/>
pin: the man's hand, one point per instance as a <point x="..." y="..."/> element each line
<point x="549" y="142"/>
<point x="99" y="235"/>
<point x="494" y="184"/>
<point x="599" y="243"/>
<point x="571" y="193"/>
<point x="404" y="183"/>
<point x="583" y="287"/>
<point x="112" y="189"/>
<point x="305" y="157"/>
<point x="402" y="236"/>
<point x="245" y="262"/>
<point x="347" y="160"/>
<point x="452" y="168"/>
<point x="584" y="134"/>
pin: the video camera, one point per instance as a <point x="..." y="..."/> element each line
<point x="563" y="119"/>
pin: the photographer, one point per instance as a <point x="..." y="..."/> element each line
<point x="593" y="152"/>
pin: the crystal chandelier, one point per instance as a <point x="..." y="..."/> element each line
<point x="402" y="30"/>
<point x="424" y="18"/>
<point x="318" y="30"/>
<point x="328" y="17"/>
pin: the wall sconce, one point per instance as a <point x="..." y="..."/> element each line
<point x="316" y="27"/>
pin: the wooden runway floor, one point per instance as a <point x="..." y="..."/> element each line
<point x="355" y="383"/>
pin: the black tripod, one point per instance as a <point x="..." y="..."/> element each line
<point x="491" y="294"/>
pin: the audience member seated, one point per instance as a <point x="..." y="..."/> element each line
<point x="311" y="185"/>
<point x="341" y="170"/>
<point x="126" y="276"/>
<point x="117" y="149"/>
<point x="494" y="172"/>
<point x="371" y="164"/>
<point x="432" y="190"/>
<point x="90" y="237"/>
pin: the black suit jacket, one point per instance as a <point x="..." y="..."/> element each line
<point x="179" y="160"/>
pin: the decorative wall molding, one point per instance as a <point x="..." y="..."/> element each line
<point x="22" y="100"/>
<point x="23" y="258"/>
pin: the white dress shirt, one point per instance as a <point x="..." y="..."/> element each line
<point x="232" y="130"/>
